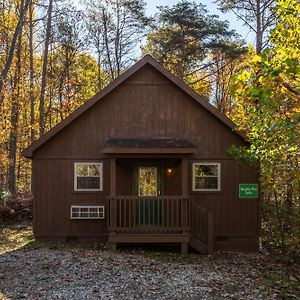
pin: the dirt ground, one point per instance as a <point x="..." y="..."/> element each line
<point x="33" y="270"/>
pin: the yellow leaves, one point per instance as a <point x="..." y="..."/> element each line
<point x="239" y="86"/>
<point x="243" y="76"/>
<point x="288" y="113"/>
<point x="256" y="59"/>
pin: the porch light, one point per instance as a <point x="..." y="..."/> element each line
<point x="169" y="170"/>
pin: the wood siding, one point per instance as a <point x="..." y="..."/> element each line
<point x="147" y="105"/>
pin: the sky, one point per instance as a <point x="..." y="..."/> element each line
<point x="212" y="8"/>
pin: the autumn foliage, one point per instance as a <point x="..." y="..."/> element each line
<point x="54" y="56"/>
<point x="268" y="109"/>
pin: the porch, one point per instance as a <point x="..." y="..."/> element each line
<point x="163" y="219"/>
<point x="149" y="198"/>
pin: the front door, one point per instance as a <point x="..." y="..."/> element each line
<point x="148" y="185"/>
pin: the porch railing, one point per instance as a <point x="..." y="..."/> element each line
<point x="162" y="214"/>
<point x="148" y="214"/>
<point x="201" y="224"/>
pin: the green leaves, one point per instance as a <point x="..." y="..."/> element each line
<point x="185" y="34"/>
<point x="268" y="101"/>
<point x="275" y="73"/>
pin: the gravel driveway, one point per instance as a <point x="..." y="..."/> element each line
<point x="98" y="274"/>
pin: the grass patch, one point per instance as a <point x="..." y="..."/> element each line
<point x="14" y="237"/>
<point x="62" y="246"/>
<point x="51" y="245"/>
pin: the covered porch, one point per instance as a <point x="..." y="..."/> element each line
<point x="149" y="198"/>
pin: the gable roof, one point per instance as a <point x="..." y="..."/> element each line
<point x="28" y="152"/>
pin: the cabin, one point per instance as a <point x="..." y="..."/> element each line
<point x="145" y="161"/>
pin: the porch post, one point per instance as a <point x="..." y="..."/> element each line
<point x="184" y="209"/>
<point x="184" y="177"/>
<point x="112" y="164"/>
<point x="112" y="204"/>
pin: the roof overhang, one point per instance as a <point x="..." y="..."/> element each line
<point x="148" y="146"/>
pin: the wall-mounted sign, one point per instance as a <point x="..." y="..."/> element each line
<point x="248" y="190"/>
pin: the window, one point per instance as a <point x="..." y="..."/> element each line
<point x="87" y="212"/>
<point x="206" y="177"/>
<point x="88" y="176"/>
<point x="147" y="181"/>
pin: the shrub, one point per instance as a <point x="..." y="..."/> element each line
<point x="15" y="208"/>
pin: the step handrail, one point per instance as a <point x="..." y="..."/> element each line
<point x="203" y="227"/>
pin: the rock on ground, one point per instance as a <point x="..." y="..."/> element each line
<point x="98" y="274"/>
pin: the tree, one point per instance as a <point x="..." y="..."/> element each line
<point x="267" y="96"/>
<point x="44" y="70"/>
<point x="69" y="39"/>
<point x="258" y="15"/>
<point x="22" y="13"/>
<point x="70" y="71"/>
<point x="13" y="135"/>
<point x="183" y="37"/>
<point x="115" y="27"/>
<point x="31" y="25"/>
<point x="224" y="65"/>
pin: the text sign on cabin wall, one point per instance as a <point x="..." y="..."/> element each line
<point x="248" y="190"/>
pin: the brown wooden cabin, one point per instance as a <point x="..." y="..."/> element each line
<point x="144" y="160"/>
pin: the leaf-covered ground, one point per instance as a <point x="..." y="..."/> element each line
<point x="31" y="270"/>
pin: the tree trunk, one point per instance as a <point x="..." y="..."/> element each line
<point x="117" y="40"/>
<point x="99" y="69"/>
<point x="17" y="33"/>
<point x="106" y="43"/>
<point x="31" y="66"/>
<point x="44" y="71"/>
<point x="259" y="33"/>
<point x="289" y="197"/>
<point x="13" y="136"/>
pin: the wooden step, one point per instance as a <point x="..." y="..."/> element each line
<point x="148" y="238"/>
<point x="198" y="245"/>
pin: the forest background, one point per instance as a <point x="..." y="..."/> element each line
<point x="55" y="55"/>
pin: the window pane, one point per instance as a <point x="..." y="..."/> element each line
<point x="206" y="182"/>
<point x="94" y="209"/>
<point x="94" y="170"/>
<point x="206" y="170"/>
<point x="88" y="183"/>
<point x="82" y="170"/>
<point x="147" y="181"/>
<point x="75" y="214"/>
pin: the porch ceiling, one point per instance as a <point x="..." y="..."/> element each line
<point x="149" y="146"/>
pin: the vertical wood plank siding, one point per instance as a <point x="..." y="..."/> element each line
<point x="147" y="105"/>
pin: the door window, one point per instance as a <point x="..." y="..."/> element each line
<point x="147" y="181"/>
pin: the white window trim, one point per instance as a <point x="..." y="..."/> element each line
<point x="207" y="164"/>
<point x="89" y="207"/>
<point x="100" y="164"/>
